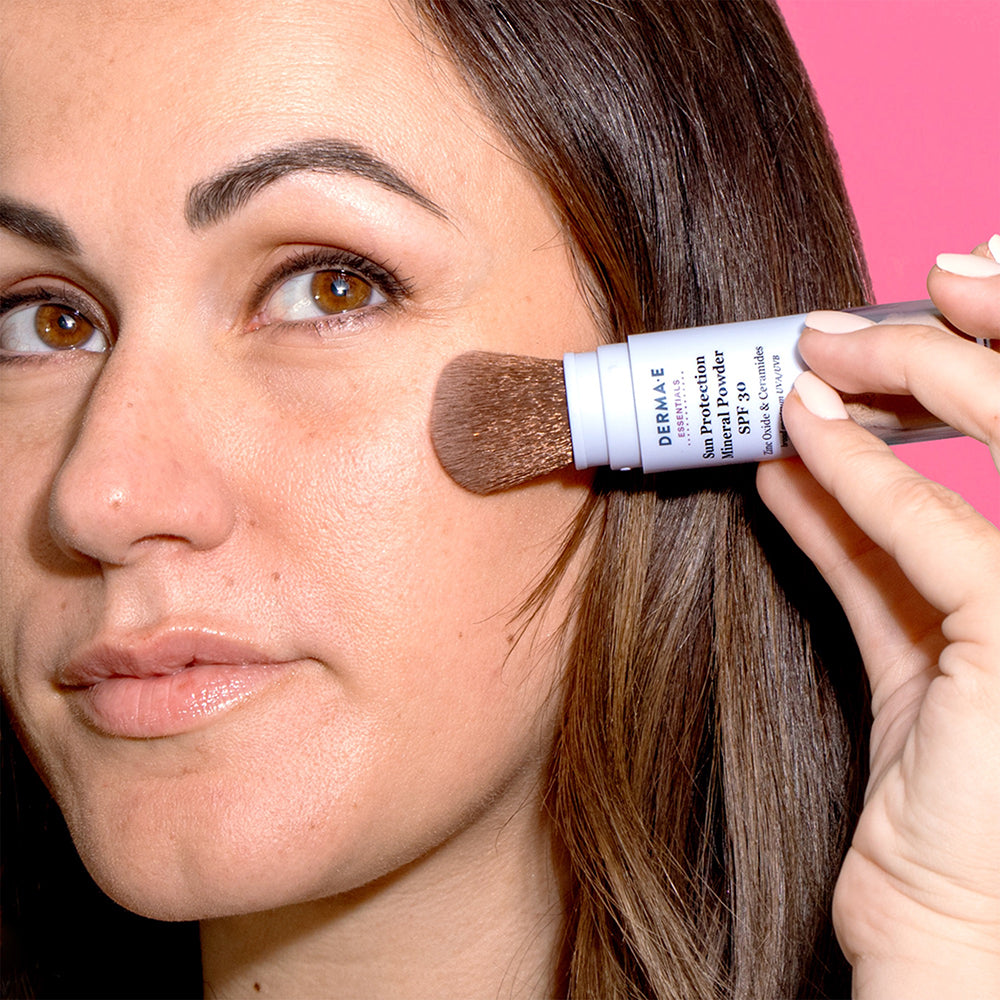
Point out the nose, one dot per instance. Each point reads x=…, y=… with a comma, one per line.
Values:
x=144, y=467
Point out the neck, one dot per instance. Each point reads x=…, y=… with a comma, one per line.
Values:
x=481, y=915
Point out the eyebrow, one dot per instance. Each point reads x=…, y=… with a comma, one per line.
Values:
x=212, y=200
x=38, y=226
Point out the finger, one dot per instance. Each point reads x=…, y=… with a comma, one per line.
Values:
x=956, y=379
x=966, y=288
x=947, y=551
x=892, y=623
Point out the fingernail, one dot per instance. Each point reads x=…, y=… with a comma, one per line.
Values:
x=993, y=245
x=829, y=321
x=970, y=265
x=818, y=398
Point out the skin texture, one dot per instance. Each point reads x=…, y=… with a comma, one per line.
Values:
x=917, y=906
x=367, y=822
x=222, y=472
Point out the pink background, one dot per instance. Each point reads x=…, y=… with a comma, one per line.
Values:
x=909, y=89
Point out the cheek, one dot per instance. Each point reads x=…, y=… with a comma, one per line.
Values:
x=373, y=527
x=39, y=415
x=387, y=544
x=406, y=585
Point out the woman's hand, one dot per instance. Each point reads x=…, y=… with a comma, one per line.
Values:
x=917, y=905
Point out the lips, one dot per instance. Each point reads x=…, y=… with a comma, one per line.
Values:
x=167, y=682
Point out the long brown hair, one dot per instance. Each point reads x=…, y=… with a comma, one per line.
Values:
x=708, y=764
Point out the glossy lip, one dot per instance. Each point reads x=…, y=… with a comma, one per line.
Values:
x=166, y=682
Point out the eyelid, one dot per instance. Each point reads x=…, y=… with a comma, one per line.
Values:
x=67, y=294
x=42, y=294
x=379, y=275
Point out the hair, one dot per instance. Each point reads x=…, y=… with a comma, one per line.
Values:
x=710, y=756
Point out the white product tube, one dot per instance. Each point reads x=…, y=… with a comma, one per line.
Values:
x=708, y=395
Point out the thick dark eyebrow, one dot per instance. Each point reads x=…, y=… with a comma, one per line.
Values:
x=226, y=192
x=38, y=226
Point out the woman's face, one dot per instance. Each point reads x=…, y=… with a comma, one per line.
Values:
x=260, y=646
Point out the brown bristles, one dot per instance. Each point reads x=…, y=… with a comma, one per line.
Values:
x=499, y=420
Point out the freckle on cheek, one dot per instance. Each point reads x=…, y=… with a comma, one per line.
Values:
x=276, y=576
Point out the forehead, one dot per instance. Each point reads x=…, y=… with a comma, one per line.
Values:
x=187, y=55
x=158, y=94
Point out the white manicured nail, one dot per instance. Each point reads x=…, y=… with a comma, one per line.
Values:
x=993, y=245
x=968, y=265
x=829, y=321
x=819, y=398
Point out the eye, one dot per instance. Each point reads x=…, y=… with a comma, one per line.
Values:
x=40, y=322
x=325, y=288
x=317, y=294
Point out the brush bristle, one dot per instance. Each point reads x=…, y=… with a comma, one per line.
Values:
x=499, y=420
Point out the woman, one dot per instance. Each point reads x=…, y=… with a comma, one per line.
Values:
x=384, y=738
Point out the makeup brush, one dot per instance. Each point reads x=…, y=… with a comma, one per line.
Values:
x=680, y=399
x=499, y=420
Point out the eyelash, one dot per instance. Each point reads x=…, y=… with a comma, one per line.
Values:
x=43, y=294
x=67, y=296
x=379, y=275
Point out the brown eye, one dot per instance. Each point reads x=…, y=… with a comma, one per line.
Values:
x=61, y=327
x=340, y=291
x=318, y=291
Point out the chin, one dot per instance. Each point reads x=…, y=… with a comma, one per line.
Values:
x=176, y=867
x=172, y=895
